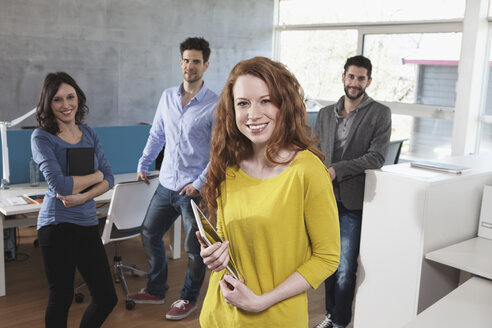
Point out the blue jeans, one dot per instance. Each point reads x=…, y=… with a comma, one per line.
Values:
x=165, y=207
x=340, y=287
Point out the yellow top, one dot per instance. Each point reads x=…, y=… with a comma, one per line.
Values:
x=275, y=227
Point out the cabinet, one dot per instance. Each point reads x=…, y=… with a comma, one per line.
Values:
x=407, y=213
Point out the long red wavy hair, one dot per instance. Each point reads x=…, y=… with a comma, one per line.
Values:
x=229, y=146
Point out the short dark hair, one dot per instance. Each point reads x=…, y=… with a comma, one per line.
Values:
x=359, y=61
x=199, y=44
x=44, y=114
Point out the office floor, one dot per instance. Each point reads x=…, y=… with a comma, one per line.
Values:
x=27, y=291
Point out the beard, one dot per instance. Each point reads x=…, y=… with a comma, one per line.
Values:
x=357, y=96
x=193, y=78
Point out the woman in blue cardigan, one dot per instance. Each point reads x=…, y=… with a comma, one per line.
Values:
x=67, y=224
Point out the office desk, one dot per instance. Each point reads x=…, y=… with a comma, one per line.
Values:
x=32, y=209
x=467, y=306
x=472, y=255
x=470, y=302
x=408, y=213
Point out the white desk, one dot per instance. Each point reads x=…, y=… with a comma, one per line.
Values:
x=469, y=305
x=19, y=189
x=473, y=255
x=408, y=213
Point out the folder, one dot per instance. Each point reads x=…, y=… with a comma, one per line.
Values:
x=209, y=234
x=80, y=161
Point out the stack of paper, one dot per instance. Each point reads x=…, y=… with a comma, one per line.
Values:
x=12, y=201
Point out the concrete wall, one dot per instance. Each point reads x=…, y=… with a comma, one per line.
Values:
x=122, y=53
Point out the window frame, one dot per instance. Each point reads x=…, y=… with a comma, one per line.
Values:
x=485, y=119
x=468, y=114
x=368, y=28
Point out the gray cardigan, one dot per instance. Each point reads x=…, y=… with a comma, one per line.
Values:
x=365, y=148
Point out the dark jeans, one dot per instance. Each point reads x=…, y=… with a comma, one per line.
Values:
x=340, y=287
x=164, y=209
x=68, y=246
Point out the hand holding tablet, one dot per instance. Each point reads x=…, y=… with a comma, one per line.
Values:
x=210, y=236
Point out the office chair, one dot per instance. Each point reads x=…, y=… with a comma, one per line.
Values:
x=125, y=217
x=393, y=154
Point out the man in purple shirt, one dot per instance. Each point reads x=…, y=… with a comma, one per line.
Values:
x=183, y=123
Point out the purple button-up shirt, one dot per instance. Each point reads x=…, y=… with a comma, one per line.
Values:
x=186, y=132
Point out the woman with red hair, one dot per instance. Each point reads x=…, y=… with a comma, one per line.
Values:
x=273, y=202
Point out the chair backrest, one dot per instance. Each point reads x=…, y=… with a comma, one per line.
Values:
x=127, y=209
x=393, y=153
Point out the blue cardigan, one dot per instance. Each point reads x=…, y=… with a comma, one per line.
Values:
x=49, y=152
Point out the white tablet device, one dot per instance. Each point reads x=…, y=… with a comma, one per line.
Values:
x=210, y=235
x=443, y=167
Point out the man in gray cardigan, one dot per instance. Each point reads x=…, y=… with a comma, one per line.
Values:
x=354, y=136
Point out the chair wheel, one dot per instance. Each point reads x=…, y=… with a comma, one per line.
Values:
x=129, y=304
x=79, y=297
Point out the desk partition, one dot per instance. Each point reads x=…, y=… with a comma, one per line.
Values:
x=122, y=145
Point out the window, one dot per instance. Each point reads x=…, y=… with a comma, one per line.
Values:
x=417, y=68
x=415, y=55
x=322, y=11
x=485, y=139
x=318, y=64
x=488, y=98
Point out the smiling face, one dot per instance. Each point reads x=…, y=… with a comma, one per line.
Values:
x=355, y=81
x=256, y=115
x=64, y=104
x=192, y=65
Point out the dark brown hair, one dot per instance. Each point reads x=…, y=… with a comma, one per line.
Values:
x=199, y=44
x=44, y=114
x=359, y=61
